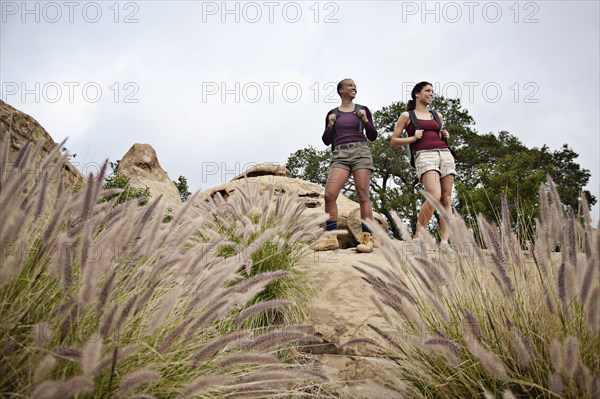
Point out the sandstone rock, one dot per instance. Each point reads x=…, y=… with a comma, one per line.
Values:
x=340, y=310
x=340, y=307
x=264, y=169
x=22, y=129
x=360, y=376
x=267, y=176
x=141, y=165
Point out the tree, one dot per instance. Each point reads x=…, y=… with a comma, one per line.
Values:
x=491, y=167
x=309, y=164
x=183, y=188
x=488, y=167
x=393, y=186
x=514, y=175
x=569, y=177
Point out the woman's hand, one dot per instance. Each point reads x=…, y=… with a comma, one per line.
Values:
x=444, y=134
x=332, y=119
x=362, y=114
x=418, y=134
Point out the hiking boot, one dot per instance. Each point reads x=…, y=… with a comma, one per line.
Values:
x=366, y=243
x=331, y=243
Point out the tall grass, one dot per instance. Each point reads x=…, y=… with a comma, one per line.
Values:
x=499, y=322
x=267, y=233
x=99, y=299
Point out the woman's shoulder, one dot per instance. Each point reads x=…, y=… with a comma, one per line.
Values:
x=404, y=119
x=403, y=114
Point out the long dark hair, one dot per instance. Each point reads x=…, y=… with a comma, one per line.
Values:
x=411, y=104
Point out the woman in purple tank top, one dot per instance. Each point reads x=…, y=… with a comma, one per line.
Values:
x=434, y=162
x=344, y=131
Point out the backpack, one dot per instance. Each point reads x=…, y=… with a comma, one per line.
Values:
x=415, y=122
x=336, y=112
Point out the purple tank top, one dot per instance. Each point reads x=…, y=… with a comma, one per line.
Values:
x=346, y=128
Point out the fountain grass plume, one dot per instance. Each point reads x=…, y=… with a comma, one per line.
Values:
x=508, y=322
x=267, y=227
x=92, y=290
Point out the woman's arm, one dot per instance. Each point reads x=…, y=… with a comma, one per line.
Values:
x=328, y=133
x=369, y=125
x=443, y=132
x=397, y=139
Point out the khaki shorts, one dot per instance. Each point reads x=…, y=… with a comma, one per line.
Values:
x=352, y=159
x=440, y=161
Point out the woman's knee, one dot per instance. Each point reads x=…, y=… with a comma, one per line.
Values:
x=363, y=195
x=445, y=201
x=435, y=194
x=331, y=196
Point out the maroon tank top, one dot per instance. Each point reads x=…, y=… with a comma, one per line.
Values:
x=431, y=135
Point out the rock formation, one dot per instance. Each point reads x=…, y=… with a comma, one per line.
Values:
x=268, y=176
x=22, y=129
x=141, y=165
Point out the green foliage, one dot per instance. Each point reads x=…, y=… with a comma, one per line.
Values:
x=491, y=168
x=293, y=287
x=274, y=233
x=386, y=118
x=128, y=193
x=183, y=188
x=309, y=164
x=514, y=174
x=119, y=181
x=568, y=175
x=169, y=216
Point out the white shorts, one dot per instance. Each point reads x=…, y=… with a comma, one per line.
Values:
x=441, y=161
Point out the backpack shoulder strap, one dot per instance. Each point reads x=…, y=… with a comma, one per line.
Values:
x=436, y=116
x=412, y=146
x=336, y=112
x=413, y=119
x=358, y=107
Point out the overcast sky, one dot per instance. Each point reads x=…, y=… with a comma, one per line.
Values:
x=217, y=87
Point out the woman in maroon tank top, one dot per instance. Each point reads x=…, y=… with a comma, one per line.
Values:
x=434, y=163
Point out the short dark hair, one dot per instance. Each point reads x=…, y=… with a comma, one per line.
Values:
x=339, y=86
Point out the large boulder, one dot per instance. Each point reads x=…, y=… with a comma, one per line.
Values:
x=264, y=169
x=141, y=165
x=21, y=129
x=271, y=176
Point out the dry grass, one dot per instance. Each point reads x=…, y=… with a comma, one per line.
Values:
x=500, y=321
x=267, y=233
x=99, y=299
